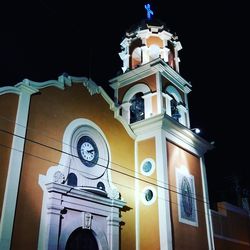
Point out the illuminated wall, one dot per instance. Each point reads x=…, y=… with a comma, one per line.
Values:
x=50, y=113
x=186, y=236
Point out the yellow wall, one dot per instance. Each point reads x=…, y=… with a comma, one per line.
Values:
x=149, y=223
x=8, y=104
x=186, y=236
x=150, y=81
x=50, y=114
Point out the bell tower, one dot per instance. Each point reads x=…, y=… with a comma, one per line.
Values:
x=151, y=100
x=150, y=83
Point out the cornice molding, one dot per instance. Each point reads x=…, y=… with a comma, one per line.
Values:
x=9, y=90
x=81, y=193
x=157, y=65
x=63, y=80
x=174, y=132
x=41, y=85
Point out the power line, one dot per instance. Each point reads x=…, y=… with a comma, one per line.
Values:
x=116, y=183
x=106, y=167
x=61, y=151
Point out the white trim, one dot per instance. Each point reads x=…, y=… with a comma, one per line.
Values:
x=174, y=131
x=73, y=131
x=174, y=92
x=140, y=87
x=75, y=224
x=148, y=104
x=183, y=112
x=208, y=217
x=168, y=99
x=137, y=200
x=159, y=93
x=150, y=68
x=187, y=109
x=14, y=168
x=164, y=210
x=151, y=171
x=77, y=202
x=232, y=240
x=42, y=232
x=179, y=174
x=41, y=85
x=9, y=90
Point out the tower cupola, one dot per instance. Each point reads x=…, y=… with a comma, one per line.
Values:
x=147, y=41
x=150, y=84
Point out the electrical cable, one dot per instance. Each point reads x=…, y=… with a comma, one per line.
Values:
x=61, y=151
x=116, y=183
x=117, y=171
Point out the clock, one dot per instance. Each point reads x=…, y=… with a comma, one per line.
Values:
x=187, y=200
x=87, y=151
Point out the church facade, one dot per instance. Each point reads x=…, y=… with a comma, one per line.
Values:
x=82, y=168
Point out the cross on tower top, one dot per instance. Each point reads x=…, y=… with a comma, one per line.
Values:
x=149, y=11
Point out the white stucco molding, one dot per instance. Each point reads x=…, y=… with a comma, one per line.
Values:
x=174, y=131
x=65, y=197
x=150, y=68
x=63, y=80
x=15, y=164
x=140, y=87
x=9, y=90
x=41, y=85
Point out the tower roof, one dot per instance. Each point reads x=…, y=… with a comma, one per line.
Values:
x=147, y=24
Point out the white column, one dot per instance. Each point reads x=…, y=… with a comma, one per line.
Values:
x=54, y=209
x=176, y=59
x=163, y=193
x=168, y=104
x=208, y=217
x=137, y=200
x=113, y=223
x=165, y=54
x=159, y=93
x=145, y=56
x=148, y=105
x=182, y=111
x=187, y=109
x=126, y=111
x=126, y=62
x=15, y=165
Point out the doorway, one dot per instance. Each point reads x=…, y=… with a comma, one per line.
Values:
x=82, y=239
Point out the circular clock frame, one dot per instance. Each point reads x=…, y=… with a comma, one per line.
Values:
x=87, y=151
x=88, y=163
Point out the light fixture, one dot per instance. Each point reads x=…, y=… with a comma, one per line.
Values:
x=196, y=130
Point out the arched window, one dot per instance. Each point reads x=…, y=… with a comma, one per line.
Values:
x=174, y=103
x=72, y=180
x=174, y=110
x=82, y=239
x=137, y=108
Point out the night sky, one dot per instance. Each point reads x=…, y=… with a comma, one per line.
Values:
x=42, y=39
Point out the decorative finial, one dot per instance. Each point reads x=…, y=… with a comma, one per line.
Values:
x=149, y=11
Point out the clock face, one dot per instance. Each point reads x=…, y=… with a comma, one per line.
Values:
x=87, y=151
x=187, y=200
